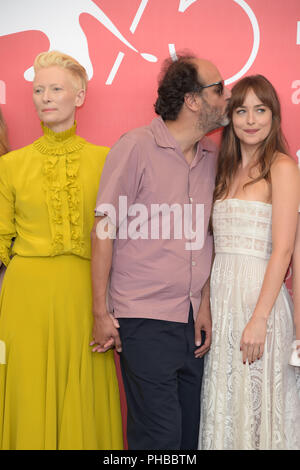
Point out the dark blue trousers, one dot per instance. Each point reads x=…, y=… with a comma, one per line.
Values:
x=162, y=381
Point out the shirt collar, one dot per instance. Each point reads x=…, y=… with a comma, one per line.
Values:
x=164, y=138
x=161, y=133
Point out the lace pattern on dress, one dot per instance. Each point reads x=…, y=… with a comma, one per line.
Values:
x=244, y=406
x=234, y=234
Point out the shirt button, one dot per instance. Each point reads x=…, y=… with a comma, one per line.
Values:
x=191, y=199
x=193, y=263
x=191, y=293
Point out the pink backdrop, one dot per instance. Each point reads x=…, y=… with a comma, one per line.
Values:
x=109, y=38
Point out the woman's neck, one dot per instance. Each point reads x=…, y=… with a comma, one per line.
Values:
x=249, y=155
x=60, y=126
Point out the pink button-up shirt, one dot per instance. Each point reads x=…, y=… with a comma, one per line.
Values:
x=153, y=273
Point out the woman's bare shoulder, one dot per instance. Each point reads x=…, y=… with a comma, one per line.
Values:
x=283, y=160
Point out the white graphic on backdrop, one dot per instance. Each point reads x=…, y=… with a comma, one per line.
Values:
x=298, y=33
x=121, y=55
x=60, y=22
x=2, y=92
x=184, y=4
x=296, y=95
x=62, y=27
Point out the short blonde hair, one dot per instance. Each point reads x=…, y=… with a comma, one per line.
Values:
x=52, y=58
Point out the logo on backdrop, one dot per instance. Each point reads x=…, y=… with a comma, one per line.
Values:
x=296, y=95
x=2, y=92
x=64, y=31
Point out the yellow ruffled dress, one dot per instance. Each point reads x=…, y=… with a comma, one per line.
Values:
x=54, y=392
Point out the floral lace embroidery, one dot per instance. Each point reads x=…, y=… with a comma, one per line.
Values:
x=244, y=406
x=234, y=234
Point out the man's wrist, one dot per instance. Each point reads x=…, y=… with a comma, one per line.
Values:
x=100, y=311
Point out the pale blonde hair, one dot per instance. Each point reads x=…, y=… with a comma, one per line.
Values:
x=56, y=58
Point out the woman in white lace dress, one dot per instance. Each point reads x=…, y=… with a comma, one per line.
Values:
x=250, y=398
x=296, y=284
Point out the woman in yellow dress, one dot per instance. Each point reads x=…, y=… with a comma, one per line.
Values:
x=55, y=393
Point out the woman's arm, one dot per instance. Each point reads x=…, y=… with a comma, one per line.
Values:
x=296, y=281
x=285, y=200
x=7, y=211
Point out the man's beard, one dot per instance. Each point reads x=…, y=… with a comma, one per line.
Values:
x=211, y=118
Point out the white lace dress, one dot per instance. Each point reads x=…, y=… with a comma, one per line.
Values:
x=253, y=406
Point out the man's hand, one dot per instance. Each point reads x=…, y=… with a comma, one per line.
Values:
x=105, y=333
x=203, y=323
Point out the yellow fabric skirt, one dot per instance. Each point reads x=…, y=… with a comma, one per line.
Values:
x=55, y=393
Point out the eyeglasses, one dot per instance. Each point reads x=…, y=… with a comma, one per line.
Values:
x=220, y=86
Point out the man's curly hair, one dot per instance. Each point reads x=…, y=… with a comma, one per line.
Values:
x=179, y=77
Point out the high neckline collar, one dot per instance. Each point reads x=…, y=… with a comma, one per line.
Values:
x=59, y=143
x=59, y=136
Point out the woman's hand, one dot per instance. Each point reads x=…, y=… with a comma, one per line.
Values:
x=253, y=339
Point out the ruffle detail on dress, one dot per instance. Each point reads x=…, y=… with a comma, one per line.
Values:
x=55, y=185
x=53, y=189
x=59, y=143
x=74, y=201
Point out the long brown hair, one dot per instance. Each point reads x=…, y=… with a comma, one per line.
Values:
x=230, y=152
x=4, y=147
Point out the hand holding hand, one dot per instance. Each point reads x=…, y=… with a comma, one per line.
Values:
x=105, y=333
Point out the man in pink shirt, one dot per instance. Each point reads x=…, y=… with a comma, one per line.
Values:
x=151, y=238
